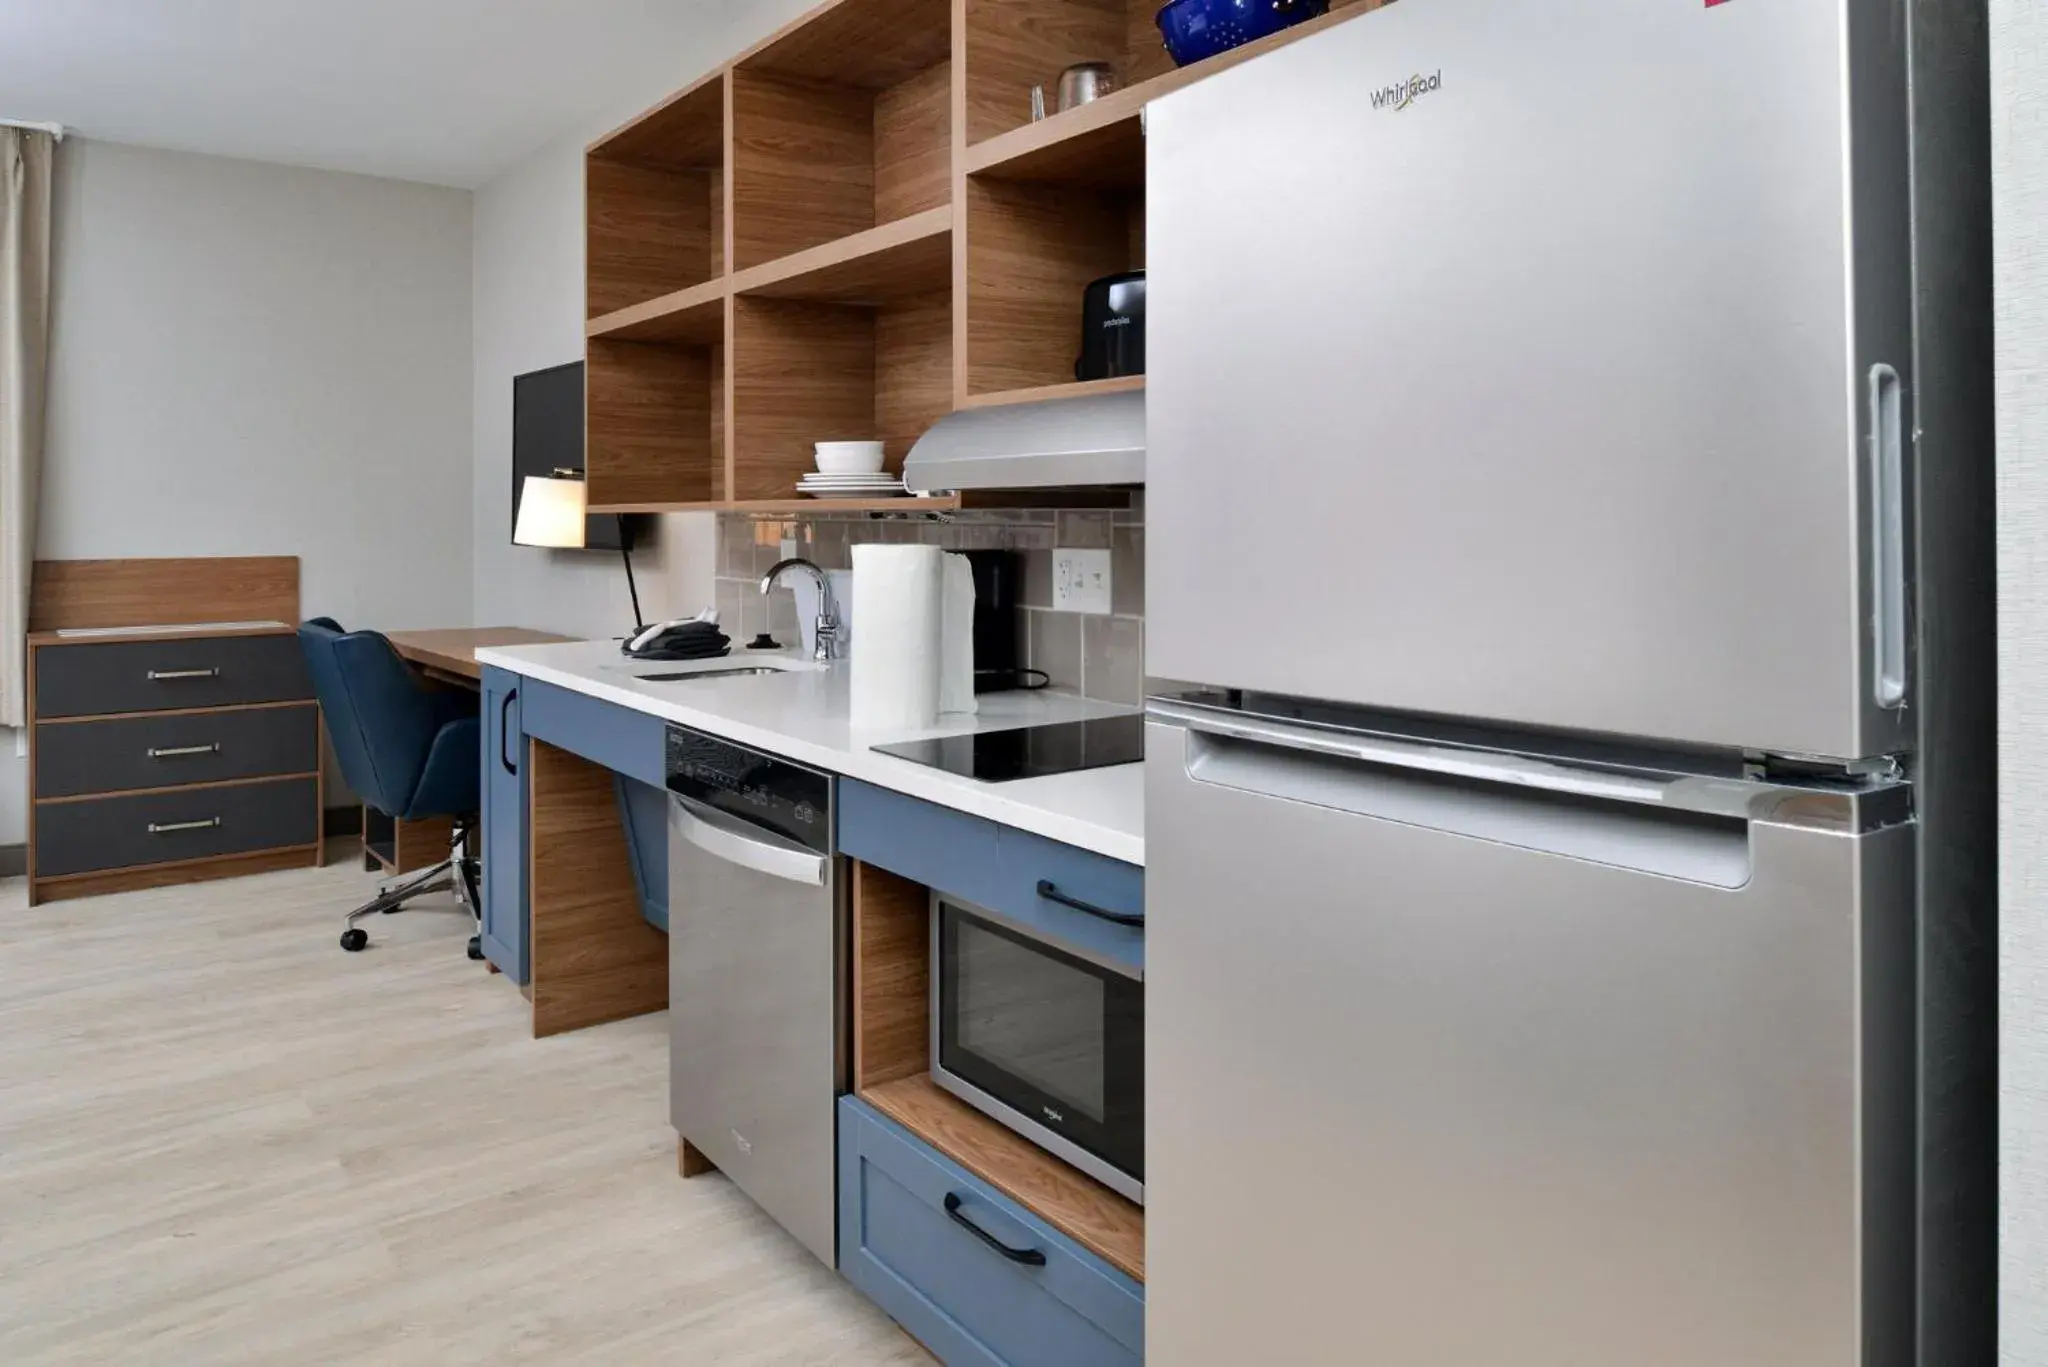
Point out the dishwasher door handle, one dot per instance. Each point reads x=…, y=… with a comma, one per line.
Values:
x=729, y=839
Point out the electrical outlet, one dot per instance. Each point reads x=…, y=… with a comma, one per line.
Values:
x=1080, y=581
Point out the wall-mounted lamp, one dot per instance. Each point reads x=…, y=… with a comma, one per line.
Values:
x=552, y=512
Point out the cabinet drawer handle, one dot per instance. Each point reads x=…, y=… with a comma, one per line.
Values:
x=167, y=827
x=168, y=751
x=159, y=675
x=1030, y=1257
x=505, y=729
x=1050, y=891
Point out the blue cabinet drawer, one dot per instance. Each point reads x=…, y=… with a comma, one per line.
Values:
x=961, y=1297
x=619, y=738
x=999, y=867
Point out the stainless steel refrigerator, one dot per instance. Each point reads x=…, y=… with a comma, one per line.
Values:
x=1568, y=835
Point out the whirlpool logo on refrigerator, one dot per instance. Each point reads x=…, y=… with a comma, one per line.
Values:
x=1400, y=96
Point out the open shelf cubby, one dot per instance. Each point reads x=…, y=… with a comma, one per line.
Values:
x=841, y=124
x=654, y=424
x=1032, y=250
x=811, y=370
x=892, y=1073
x=654, y=202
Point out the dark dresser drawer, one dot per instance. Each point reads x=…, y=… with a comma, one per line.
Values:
x=154, y=676
x=79, y=757
x=156, y=828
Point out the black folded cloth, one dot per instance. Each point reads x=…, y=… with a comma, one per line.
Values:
x=690, y=641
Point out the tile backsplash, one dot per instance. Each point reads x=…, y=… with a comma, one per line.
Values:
x=1097, y=656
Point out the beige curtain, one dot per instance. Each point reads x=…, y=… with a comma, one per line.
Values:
x=26, y=157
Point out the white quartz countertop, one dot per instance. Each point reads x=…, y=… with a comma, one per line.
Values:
x=803, y=714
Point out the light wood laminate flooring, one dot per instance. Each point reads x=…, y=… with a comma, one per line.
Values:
x=223, y=1140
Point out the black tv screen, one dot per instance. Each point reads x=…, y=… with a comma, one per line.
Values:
x=547, y=435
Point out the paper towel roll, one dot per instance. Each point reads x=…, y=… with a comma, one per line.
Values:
x=897, y=597
x=956, y=637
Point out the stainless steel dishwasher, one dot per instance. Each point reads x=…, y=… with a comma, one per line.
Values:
x=756, y=935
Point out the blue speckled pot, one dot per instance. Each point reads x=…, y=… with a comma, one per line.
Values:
x=1199, y=29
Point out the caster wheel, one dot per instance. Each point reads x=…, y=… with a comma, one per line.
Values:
x=354, y=939
x=476, y=948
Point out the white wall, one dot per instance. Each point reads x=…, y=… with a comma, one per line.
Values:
x=529, y=314
x=252, y=359
x=2020, y=132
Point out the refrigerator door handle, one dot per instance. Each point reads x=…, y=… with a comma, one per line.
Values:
x=1887, y=536
x=1513, y=770
x=1614, y=820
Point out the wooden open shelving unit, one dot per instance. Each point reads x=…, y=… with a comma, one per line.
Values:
x=891, y=1072
x=854, y=228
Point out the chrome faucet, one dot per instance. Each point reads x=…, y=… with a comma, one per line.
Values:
x=828, y=610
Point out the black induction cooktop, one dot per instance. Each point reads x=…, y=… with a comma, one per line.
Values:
x=1031, y=751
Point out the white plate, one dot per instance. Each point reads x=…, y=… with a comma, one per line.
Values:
x=898, y=491
x=870, y=484
x=874, y=477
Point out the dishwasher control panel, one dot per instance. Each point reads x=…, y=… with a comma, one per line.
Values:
x=787, y=798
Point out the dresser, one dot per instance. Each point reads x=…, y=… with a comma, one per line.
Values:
x=174, y=735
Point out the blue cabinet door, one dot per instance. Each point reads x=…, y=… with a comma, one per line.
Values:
x=504, y=818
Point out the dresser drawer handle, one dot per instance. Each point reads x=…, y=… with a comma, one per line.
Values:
x=168, y=751
x=1050, y=891
x=1030, y=1257
x=167, y=827
x=159, y=675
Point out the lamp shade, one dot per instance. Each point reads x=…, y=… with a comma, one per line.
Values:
x=551, y=512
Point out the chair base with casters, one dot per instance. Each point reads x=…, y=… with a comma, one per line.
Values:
x=460, y=871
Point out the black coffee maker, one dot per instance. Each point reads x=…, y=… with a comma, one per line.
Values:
x=998, y=584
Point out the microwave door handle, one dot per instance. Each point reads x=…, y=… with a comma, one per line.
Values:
x=724, y=838
x=1050, y=891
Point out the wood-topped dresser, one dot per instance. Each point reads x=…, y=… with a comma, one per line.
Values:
x=174, y=733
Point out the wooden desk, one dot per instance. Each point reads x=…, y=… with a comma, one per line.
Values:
x=449, y=654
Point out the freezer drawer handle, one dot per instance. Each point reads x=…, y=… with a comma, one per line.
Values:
x=725, y=838
x=1888, y=536
x=1050, y=891
x=161, y=675
x=170, y=827
x=171, y=751
x=1030, y=1257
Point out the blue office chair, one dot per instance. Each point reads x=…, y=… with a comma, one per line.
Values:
x=410, y=751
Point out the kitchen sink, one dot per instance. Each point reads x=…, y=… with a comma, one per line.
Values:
x=738, y=672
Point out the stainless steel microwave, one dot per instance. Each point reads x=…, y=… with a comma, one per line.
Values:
x=1044, y=1036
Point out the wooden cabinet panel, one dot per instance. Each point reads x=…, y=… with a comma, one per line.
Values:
x=803, y=165
x=648, y=233
x=914, y=145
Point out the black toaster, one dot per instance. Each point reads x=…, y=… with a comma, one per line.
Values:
x=1112, y=328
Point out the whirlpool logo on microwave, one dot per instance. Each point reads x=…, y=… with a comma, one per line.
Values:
x=1409, y=91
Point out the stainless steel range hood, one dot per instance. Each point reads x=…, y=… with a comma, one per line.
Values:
x=1057, y=444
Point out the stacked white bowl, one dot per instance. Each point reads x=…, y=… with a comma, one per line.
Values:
x=849, y=469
